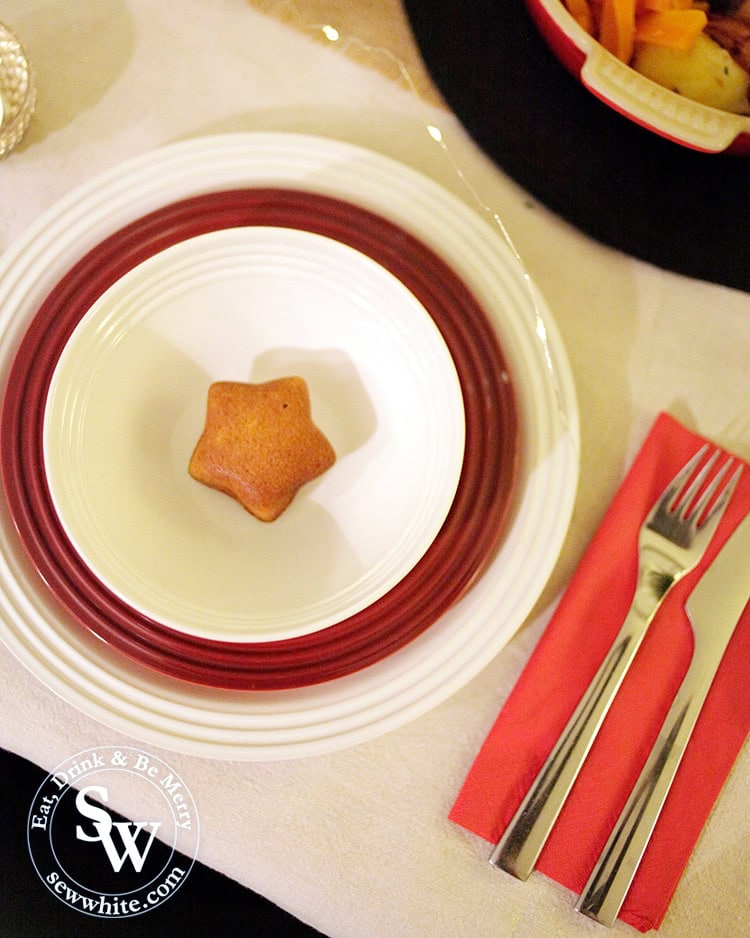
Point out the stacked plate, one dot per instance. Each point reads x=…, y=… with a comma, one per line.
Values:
x=159, y=606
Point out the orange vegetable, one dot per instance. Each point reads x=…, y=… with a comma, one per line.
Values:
x=619, y=24
x=617, y=27
x=659, y=6
x=677, y=29
x=580, y=10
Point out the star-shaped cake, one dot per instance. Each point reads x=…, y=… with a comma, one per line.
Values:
x=259, y=444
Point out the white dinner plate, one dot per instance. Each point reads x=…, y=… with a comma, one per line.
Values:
x=127, y=405
x=341, y=712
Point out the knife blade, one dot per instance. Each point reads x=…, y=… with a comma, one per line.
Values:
x=714, y=608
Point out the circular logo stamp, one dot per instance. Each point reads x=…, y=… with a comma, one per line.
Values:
x=97, y=861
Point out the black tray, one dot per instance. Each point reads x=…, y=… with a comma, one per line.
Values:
x=682, y=210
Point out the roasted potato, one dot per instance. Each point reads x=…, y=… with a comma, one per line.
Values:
x=706, y=73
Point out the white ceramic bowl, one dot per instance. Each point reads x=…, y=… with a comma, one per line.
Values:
x=638, y=98
x=127, y=405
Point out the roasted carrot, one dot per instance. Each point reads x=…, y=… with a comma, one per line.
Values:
x=617, y=27
x=580, y=10
x=676, y=29
x=659, y=6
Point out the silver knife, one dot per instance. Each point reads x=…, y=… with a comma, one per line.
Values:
x=714, y=608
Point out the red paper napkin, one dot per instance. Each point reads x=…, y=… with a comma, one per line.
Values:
x=558, y=672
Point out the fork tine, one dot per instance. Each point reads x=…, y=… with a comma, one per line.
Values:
x=682, y=508
x=695, y=512
x=675, y=486
x=715, y=513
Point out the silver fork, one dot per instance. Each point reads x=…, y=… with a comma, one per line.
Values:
x=672, y=540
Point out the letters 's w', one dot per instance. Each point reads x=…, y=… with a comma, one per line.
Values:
x=128, y=831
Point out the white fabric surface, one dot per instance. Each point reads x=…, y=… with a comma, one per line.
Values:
x=356, y=842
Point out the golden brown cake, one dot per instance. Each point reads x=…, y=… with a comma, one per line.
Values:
x=259, y=444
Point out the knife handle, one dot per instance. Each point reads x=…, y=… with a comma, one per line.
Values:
x=605, y=891
x=518, y=849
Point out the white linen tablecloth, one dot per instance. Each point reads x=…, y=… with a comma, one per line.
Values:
x=357, y=842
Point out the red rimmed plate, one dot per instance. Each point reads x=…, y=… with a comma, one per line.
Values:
x=457, y=555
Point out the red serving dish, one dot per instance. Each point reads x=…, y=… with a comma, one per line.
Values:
x=633, y=95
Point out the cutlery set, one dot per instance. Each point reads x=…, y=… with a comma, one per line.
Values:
x=672, y=541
